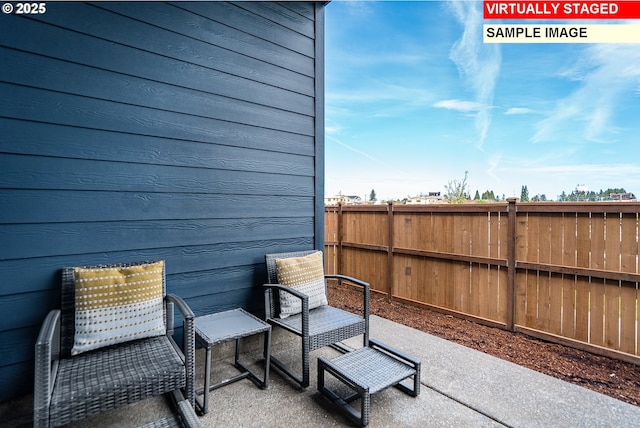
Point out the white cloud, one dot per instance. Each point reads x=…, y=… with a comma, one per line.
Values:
x=378, y=99
x=458, y=105
x=478, y=63
x=605, y=72
x=518, y=110
x=374, y=92
x=332, y=129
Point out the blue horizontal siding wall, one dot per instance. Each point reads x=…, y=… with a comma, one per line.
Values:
x=189, y=132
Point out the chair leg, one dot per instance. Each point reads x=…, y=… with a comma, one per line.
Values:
x=301, y=379
x=305, y=362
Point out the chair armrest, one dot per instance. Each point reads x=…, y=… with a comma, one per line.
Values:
x=184, y=309
x=366, y=291
x=47, y=352
x=290, y=290
x=188, y=343
x=303, y=297
x=348, y=278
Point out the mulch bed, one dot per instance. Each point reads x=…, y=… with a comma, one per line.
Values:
x=617, y=379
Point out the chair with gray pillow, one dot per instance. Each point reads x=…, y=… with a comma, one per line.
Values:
x=317, y=327
x=75, y=380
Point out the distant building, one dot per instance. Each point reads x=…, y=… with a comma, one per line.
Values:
x=345, y=199
x=622, y=196
x=431, y=198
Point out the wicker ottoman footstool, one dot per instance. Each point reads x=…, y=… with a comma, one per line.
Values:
x=367, y=371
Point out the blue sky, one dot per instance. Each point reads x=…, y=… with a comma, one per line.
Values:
x=414, y=99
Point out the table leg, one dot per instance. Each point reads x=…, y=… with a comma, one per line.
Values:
x=267, y=356
x=207, y=380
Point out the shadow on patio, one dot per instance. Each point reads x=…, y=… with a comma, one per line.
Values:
x=460, y=387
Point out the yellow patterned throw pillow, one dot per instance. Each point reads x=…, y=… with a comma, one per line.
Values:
x=114, y=305
x=305, y=274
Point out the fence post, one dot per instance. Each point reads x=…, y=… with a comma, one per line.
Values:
x=390, y=251
x=339, y=236
x=511, y=264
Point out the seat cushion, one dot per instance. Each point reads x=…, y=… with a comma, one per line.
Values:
x=305, y=274
x=117, y=304
x=100, y=380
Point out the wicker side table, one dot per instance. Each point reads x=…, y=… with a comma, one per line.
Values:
x=222, y=327
x=367, y=371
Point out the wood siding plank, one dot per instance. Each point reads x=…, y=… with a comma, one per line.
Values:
x=253, y=149
x=28, y=172
x=53, y=206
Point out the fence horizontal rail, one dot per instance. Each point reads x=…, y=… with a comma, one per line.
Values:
x=566, y=270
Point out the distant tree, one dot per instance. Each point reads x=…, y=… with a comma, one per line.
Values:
x=488, y=196
x=372, y=196
x=477, y=196
x=457, y=191
x=562, y=197
x=524, y=194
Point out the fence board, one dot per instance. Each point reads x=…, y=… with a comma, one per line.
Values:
x=597, y=251
x=366, y=265
x=582, y=309
x=481, y=224
x=426, y=223
x=531, y=284
x=629, y=244
x=569, y=239
x=496, y=237
x=628, y=313
x=612, y=314
x=365, y=228
x=522, y=237
x=556, y=283
x=612, y=244
x=477, y=276
x=568, y=306
x=583, y=236
x=597, y=302
x=405, y=235
x=431, y=295
x=406, y=277
x=461, y=280
x=493, y=306
x=520, y=306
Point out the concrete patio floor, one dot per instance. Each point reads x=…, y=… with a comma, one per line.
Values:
x=461, y=387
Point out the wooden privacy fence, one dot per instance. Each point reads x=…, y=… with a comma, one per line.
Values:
x=564, y=272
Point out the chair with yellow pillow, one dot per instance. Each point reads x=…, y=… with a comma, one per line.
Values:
x=296, y=300
x=112, y=344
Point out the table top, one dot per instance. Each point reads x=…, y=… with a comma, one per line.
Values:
x=228, y=325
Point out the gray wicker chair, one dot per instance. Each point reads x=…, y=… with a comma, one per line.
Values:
x=318, y=327
x=69, y=388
